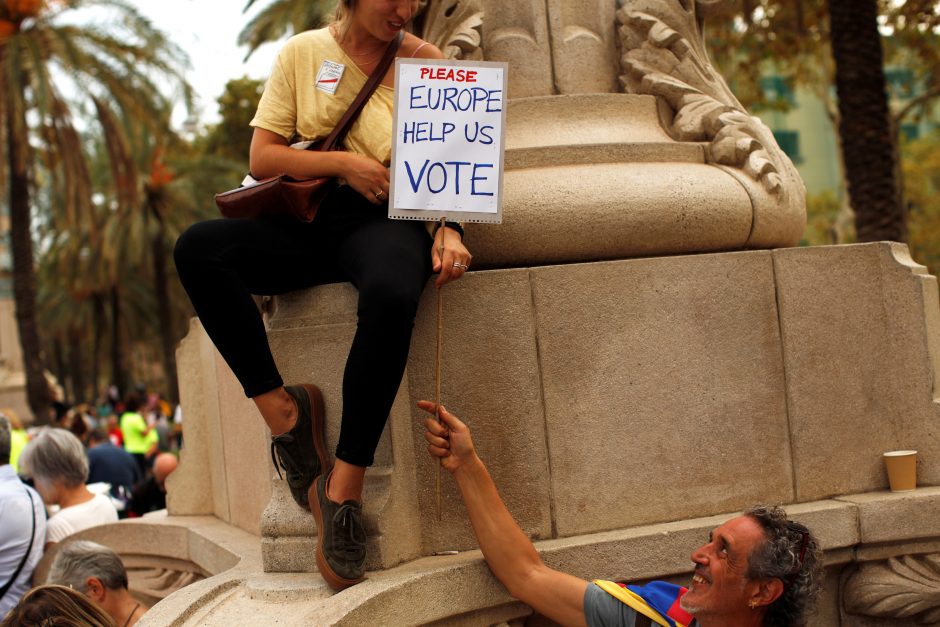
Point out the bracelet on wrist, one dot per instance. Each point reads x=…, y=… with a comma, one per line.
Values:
x=453, y=225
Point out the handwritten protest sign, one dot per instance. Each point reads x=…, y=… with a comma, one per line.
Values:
x=447, y=155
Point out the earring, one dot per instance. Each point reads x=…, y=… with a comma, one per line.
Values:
x=752, y=604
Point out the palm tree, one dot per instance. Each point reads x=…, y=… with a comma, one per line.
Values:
x=51, y=68
x=144, y=237
x=283, y=17
x=868, y=138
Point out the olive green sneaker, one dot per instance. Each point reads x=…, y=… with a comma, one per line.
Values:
x=341, y=541
x=302, y=452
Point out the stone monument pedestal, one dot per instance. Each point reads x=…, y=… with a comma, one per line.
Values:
x=624, y=408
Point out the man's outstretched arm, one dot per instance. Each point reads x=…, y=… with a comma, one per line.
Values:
x=508, y=551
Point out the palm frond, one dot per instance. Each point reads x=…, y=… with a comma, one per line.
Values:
x=67, y=158
x=123, y=170
x=283, y=18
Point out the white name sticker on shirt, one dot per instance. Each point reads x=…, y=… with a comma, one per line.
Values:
x=329, y=76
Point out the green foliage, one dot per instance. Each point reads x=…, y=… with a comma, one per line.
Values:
x=825, y=223
x=231, y=136
x=218, y=160
x=790, y=38
x=914, y=43
x=829, y=221
x=922, y=188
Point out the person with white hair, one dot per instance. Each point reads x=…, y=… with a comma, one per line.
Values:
x=58, y=464
x=97, y=572
x=22, y=528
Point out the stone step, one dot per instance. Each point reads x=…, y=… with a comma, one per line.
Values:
x=859, y=534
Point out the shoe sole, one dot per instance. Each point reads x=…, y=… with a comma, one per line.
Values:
x=332, y=579
x=318, y=424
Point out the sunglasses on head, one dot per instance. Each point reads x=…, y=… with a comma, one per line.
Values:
x=795, y=527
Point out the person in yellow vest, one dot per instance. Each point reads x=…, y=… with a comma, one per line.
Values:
x=757, y=569
x=137, y=439
x=18, y=437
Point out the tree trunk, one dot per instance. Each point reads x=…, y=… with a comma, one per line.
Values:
x=76, y=368
x=799, y=17
x=21, y=244
x=865, y=126
x=164, y=315
x=118, y=367
x=747, y=10
x=99, y=323
x=61, y=370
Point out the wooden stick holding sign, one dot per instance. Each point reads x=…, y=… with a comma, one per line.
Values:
x=447, y=156
x=437, y=362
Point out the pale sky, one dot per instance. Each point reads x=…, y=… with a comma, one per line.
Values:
x=207, y=30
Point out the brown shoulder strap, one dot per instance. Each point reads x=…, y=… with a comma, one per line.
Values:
x=336, y=138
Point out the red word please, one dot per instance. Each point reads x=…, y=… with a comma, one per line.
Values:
x=449, y=74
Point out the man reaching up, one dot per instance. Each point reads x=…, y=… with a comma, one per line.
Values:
x=757, y=569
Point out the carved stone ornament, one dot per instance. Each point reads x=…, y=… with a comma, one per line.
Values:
x=906, y=587
x=454, y=27
x=663, y=54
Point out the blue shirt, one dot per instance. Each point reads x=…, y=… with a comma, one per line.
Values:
x=16, y=524
x=114, y=465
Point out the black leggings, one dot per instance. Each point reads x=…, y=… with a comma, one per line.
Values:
x=221, y=263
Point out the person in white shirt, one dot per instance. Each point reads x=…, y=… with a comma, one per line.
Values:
x=22, y=528
x=58, y=464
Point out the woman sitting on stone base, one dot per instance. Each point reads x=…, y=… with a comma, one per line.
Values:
x=223, y=262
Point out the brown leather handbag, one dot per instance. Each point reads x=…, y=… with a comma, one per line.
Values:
x=285, y=195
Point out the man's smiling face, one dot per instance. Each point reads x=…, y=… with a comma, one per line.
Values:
x=720, y=586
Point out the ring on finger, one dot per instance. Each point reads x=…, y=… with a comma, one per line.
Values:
x=462, y=266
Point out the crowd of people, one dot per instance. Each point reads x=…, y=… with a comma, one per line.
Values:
x=131, y=443
x=92, y=466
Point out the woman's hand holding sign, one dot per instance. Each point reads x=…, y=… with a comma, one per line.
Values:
x=455, y=259
x=367, y=176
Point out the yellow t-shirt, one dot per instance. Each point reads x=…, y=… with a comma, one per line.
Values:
x=294, y=107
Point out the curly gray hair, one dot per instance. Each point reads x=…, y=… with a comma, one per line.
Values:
x=790, y=553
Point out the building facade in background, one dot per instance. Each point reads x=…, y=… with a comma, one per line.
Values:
x=12, y=376
x=805, y=130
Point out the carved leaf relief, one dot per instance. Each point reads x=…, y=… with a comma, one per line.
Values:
x=454, y=26
x=738, y=143
x=664, y=56
x=905, y=587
